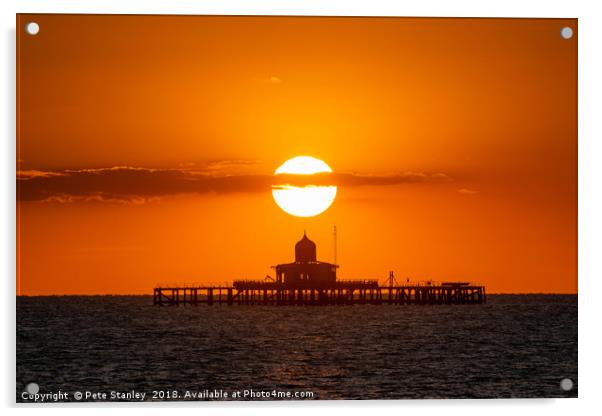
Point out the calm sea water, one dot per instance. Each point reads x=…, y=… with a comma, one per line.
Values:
x=514, y=346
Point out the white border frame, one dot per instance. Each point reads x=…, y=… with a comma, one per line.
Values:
x=590, y=179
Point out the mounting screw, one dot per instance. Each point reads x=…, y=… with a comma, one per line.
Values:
x=32, y=28
x=566, y=32
x=566, y=384
x=32, y=388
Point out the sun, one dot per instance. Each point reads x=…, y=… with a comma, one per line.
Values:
x=308, y=200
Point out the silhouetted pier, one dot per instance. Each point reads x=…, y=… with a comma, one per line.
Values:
x=345, y=293
x=307, y=281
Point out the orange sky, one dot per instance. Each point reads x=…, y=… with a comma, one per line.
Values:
x=455, y=141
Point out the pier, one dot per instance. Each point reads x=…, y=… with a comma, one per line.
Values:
x=307, y=281
x=269, y=293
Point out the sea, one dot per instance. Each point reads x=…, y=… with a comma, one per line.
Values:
x=122, y=348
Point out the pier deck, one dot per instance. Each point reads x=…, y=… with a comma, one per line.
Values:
x=347, y=293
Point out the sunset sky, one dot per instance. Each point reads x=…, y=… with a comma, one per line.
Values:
x=147, y=145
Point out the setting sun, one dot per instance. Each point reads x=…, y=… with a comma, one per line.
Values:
x=303, y=201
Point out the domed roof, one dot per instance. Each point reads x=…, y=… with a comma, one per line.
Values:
x=305, y=242
x=305, y=250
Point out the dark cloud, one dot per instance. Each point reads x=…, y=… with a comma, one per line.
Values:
x=140, y=185
x=356, y=179
x=129, y=183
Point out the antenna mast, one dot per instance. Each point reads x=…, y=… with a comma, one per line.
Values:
x=335, y=244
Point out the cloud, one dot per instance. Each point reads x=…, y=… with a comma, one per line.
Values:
x=122, y=183
x=355, y=179
x=101, y=197
x=229, y=166
x=465, y=191
x=134, y=185
x=272, y=79
x=29, y=174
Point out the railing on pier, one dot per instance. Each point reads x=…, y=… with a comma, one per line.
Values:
x=270, y=293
